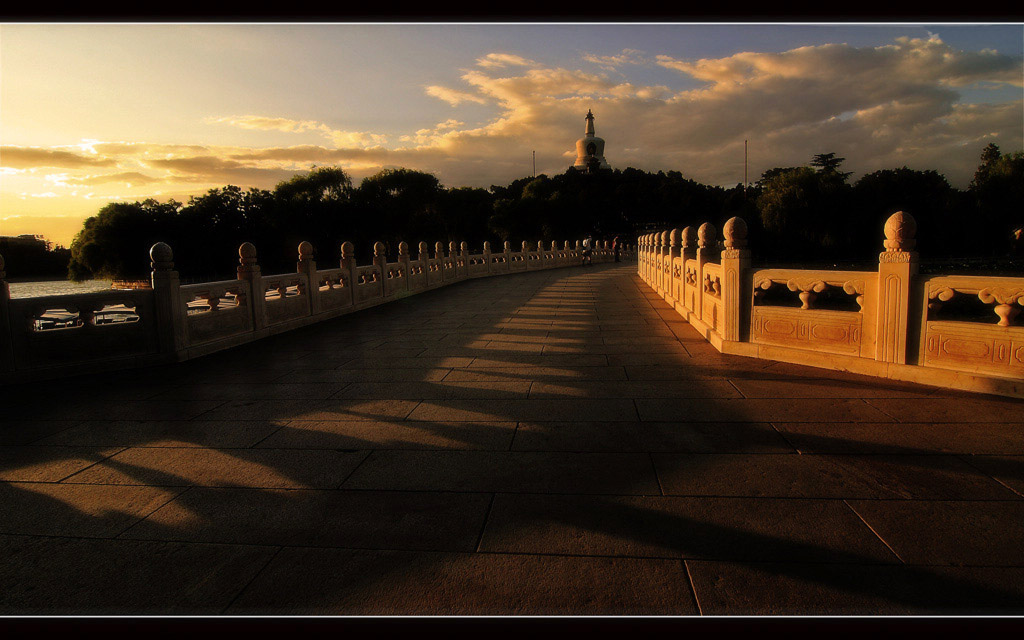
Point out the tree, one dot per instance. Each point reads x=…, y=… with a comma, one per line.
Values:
x=323, y=184
x=829, y=163
x=989, y=157
x=998, y=197
x=802, y=210
x=115, y=242
x=926, y=195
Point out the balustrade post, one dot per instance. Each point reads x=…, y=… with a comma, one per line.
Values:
x=737, y=287
x=454, y=257
x=6, y=339
x=640, y=258
x=705, y=246
x=659, y=261
x=380, y=260
x=688, y=251
x=440, y=260
x=348, y=263
x=674, y=281
x=487, y=257
x=897, y=267
x=506, y=247
x=171, y=315
x=652, y=248
x=307, y=266
x=526, y=254
x=403, y=260
x=464, y=258
x=424, y=260
x=642, y=262
x=249, y=270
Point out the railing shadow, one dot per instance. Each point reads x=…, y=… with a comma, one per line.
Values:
x=282, y=470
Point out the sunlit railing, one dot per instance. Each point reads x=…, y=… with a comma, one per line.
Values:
x=80, y=333
x=955, y=331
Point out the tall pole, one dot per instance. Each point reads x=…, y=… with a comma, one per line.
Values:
x=744, y=168
x=534, y=164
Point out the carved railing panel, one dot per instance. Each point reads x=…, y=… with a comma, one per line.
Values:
x=216, y=310
x=335, y=289
x=66, y=329
x=973, y=324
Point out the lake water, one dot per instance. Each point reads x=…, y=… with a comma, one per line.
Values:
x=55, y=287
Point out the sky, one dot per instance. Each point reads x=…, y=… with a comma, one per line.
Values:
x=92, y=113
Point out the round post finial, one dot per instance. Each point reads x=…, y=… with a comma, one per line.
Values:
x=706, y=235
x=508, y=246
x=348, y=250
x=689, y=237
x=247, y=253
x=438, y=250
x=424, y=250
x=305, y=250
x=403, y=249
x=379, y=250
x=161, y=257
x=900, y=229
x=735, y=233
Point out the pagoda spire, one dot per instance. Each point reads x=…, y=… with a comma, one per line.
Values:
x=590, y=123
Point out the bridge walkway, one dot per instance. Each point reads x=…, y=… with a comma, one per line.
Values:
x=569, y=446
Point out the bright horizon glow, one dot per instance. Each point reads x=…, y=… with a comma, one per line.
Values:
x=101, y=112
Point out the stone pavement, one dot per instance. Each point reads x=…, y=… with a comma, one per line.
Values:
x=569, y=446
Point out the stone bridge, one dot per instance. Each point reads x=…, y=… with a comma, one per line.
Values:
x=563, y=444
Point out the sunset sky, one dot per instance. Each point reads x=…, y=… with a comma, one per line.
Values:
x=93, y=113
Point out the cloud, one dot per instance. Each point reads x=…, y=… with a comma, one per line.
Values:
x=39, y=157
x=627, y=57
x=453, y=96
x=880, y=107
x=501, y=60
x=340, y=138
x=127, y=178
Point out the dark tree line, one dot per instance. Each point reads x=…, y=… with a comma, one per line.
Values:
x=795, y=214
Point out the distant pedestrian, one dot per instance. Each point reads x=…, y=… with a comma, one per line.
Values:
x=588, y=243
x=616, y=247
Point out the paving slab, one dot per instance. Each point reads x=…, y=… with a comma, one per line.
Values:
x=344, y=582
x=802, y=589
x=82, y=511
x=346, y=519
x=393, y=434
x=283, y=411
x=192, y=466
x=688, y=437
x=1008, y=470
x=530, y=409
x=709, y=528
x=825, y=476
x=164, y=433
x=904, y=437
x=635, y=389
x=72, y=576
x=15, y=432
x=949, y=532
x=758, y=410
x=442, y=390
x=508, y=471
x=48, y=464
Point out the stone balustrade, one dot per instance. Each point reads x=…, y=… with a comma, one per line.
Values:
x=54, y=336
x=960, y=332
